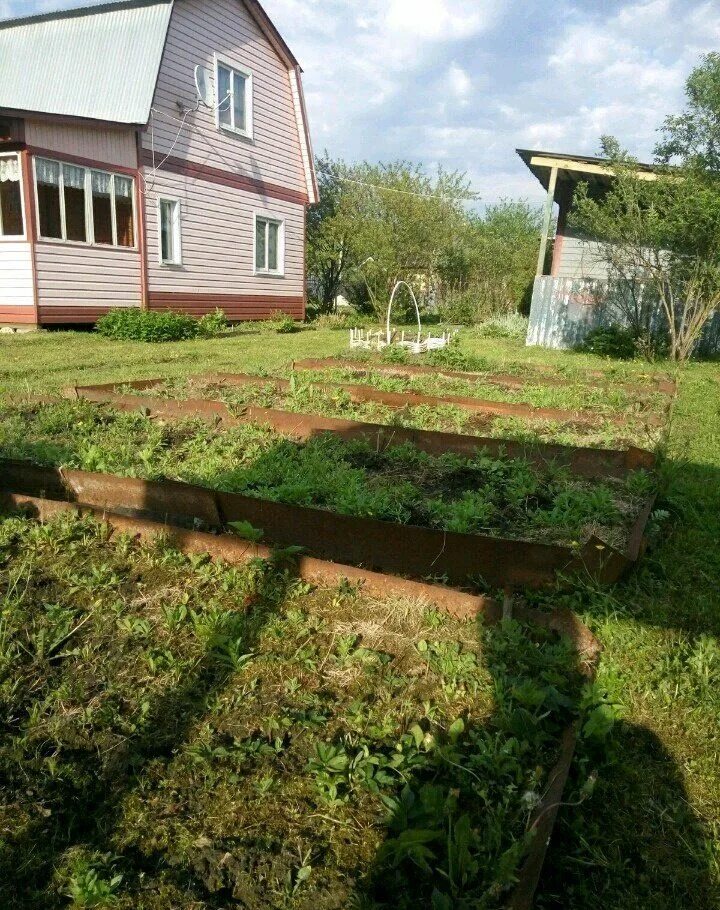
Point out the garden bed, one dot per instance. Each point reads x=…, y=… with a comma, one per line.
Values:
x=308, y=398
x=474, y=494
x=499, y=520
x=519, y=380
x=400, y=398
x=185, y=730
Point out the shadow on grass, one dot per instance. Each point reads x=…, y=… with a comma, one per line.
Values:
x=640, y=844
x=87, y=804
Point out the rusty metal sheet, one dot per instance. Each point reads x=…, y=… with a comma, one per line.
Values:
x=370, y=543
x=542, y=824
x=363, y=393
x=508, y=380
x=235, y=550
x=583, y=461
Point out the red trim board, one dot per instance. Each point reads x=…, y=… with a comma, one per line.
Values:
x=225, y=178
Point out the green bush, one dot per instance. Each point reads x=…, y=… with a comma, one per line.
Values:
x=610, y=341
x=131, y=324
x=460, y=307
x=511, y=325
x=283, y=323
x=213, y=324
x=342, y=321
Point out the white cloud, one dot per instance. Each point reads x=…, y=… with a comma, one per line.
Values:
x=458, y=82
x=439, y=20
x=463, y=82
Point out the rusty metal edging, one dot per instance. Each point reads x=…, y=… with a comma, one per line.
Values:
x=456, y=603
x=508, y=380
x=583, y=461
x=379, y=545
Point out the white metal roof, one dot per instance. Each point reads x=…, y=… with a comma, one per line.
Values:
x=98, y=62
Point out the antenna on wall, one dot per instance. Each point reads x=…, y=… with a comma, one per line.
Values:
x=203, y=86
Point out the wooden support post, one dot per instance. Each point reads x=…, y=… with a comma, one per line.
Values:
x=547, y=217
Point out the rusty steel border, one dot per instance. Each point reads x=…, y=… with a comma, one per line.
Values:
x=360, y=394
x=456, y=603
x=507, y=380
x=406, y=550
x=584, y=461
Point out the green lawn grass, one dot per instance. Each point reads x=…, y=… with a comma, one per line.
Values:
x=649, y=837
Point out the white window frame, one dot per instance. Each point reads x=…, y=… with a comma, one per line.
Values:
x=89, y=222
x=177, y=231
x=13, y=238
x=280, y=221
x=247, y=133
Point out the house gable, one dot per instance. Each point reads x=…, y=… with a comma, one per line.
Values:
x=278, y=154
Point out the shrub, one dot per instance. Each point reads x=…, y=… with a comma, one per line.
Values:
x=460, y=307
x=610, y=341
x=511, y=325
x=283, y=323
x=453, y=358
x=213, y=324
x=143, y=325
x=341, y=321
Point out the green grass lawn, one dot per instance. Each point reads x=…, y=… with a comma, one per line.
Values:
x=649, y=837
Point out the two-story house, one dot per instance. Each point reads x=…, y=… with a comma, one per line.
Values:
x=153, y=153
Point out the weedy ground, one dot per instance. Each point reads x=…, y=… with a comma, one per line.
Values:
x=183, y=733
x=479, y=494
x=650, y=835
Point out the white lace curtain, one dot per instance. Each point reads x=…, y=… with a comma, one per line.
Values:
x=9, y=170
x=74, y=176
x=48, y=172
x=101, y=183
x=123, y=187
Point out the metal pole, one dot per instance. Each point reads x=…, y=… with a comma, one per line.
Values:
x=550, y=199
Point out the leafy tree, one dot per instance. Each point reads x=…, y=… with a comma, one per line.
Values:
x=489, y=268
x=330, y=248
x=377, y=224
x=661, y=237
x=693, y=136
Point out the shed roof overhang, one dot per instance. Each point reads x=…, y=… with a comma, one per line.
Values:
x=574, y=169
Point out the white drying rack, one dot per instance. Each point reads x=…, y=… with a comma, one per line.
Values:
x=376, y=341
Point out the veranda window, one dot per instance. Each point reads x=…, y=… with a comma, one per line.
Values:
x=11, y=210
x=82, y=205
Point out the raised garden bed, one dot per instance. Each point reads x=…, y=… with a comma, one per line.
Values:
x=287, y=746
x=354, y=480
x=599, y=380
x=362, y=394
x=306, y=409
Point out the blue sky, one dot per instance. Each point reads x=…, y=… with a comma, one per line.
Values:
x=463, y=82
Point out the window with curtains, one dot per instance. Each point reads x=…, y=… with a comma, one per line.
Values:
x=269, y=246
x=234, y=98
x=84, y=205
x=11, y=207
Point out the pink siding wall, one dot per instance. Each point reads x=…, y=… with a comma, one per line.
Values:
x=110, y=146
x=198, y=30
x=217, y=245
x=78, y=283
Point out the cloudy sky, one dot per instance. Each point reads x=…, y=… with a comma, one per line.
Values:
x=464, y=82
